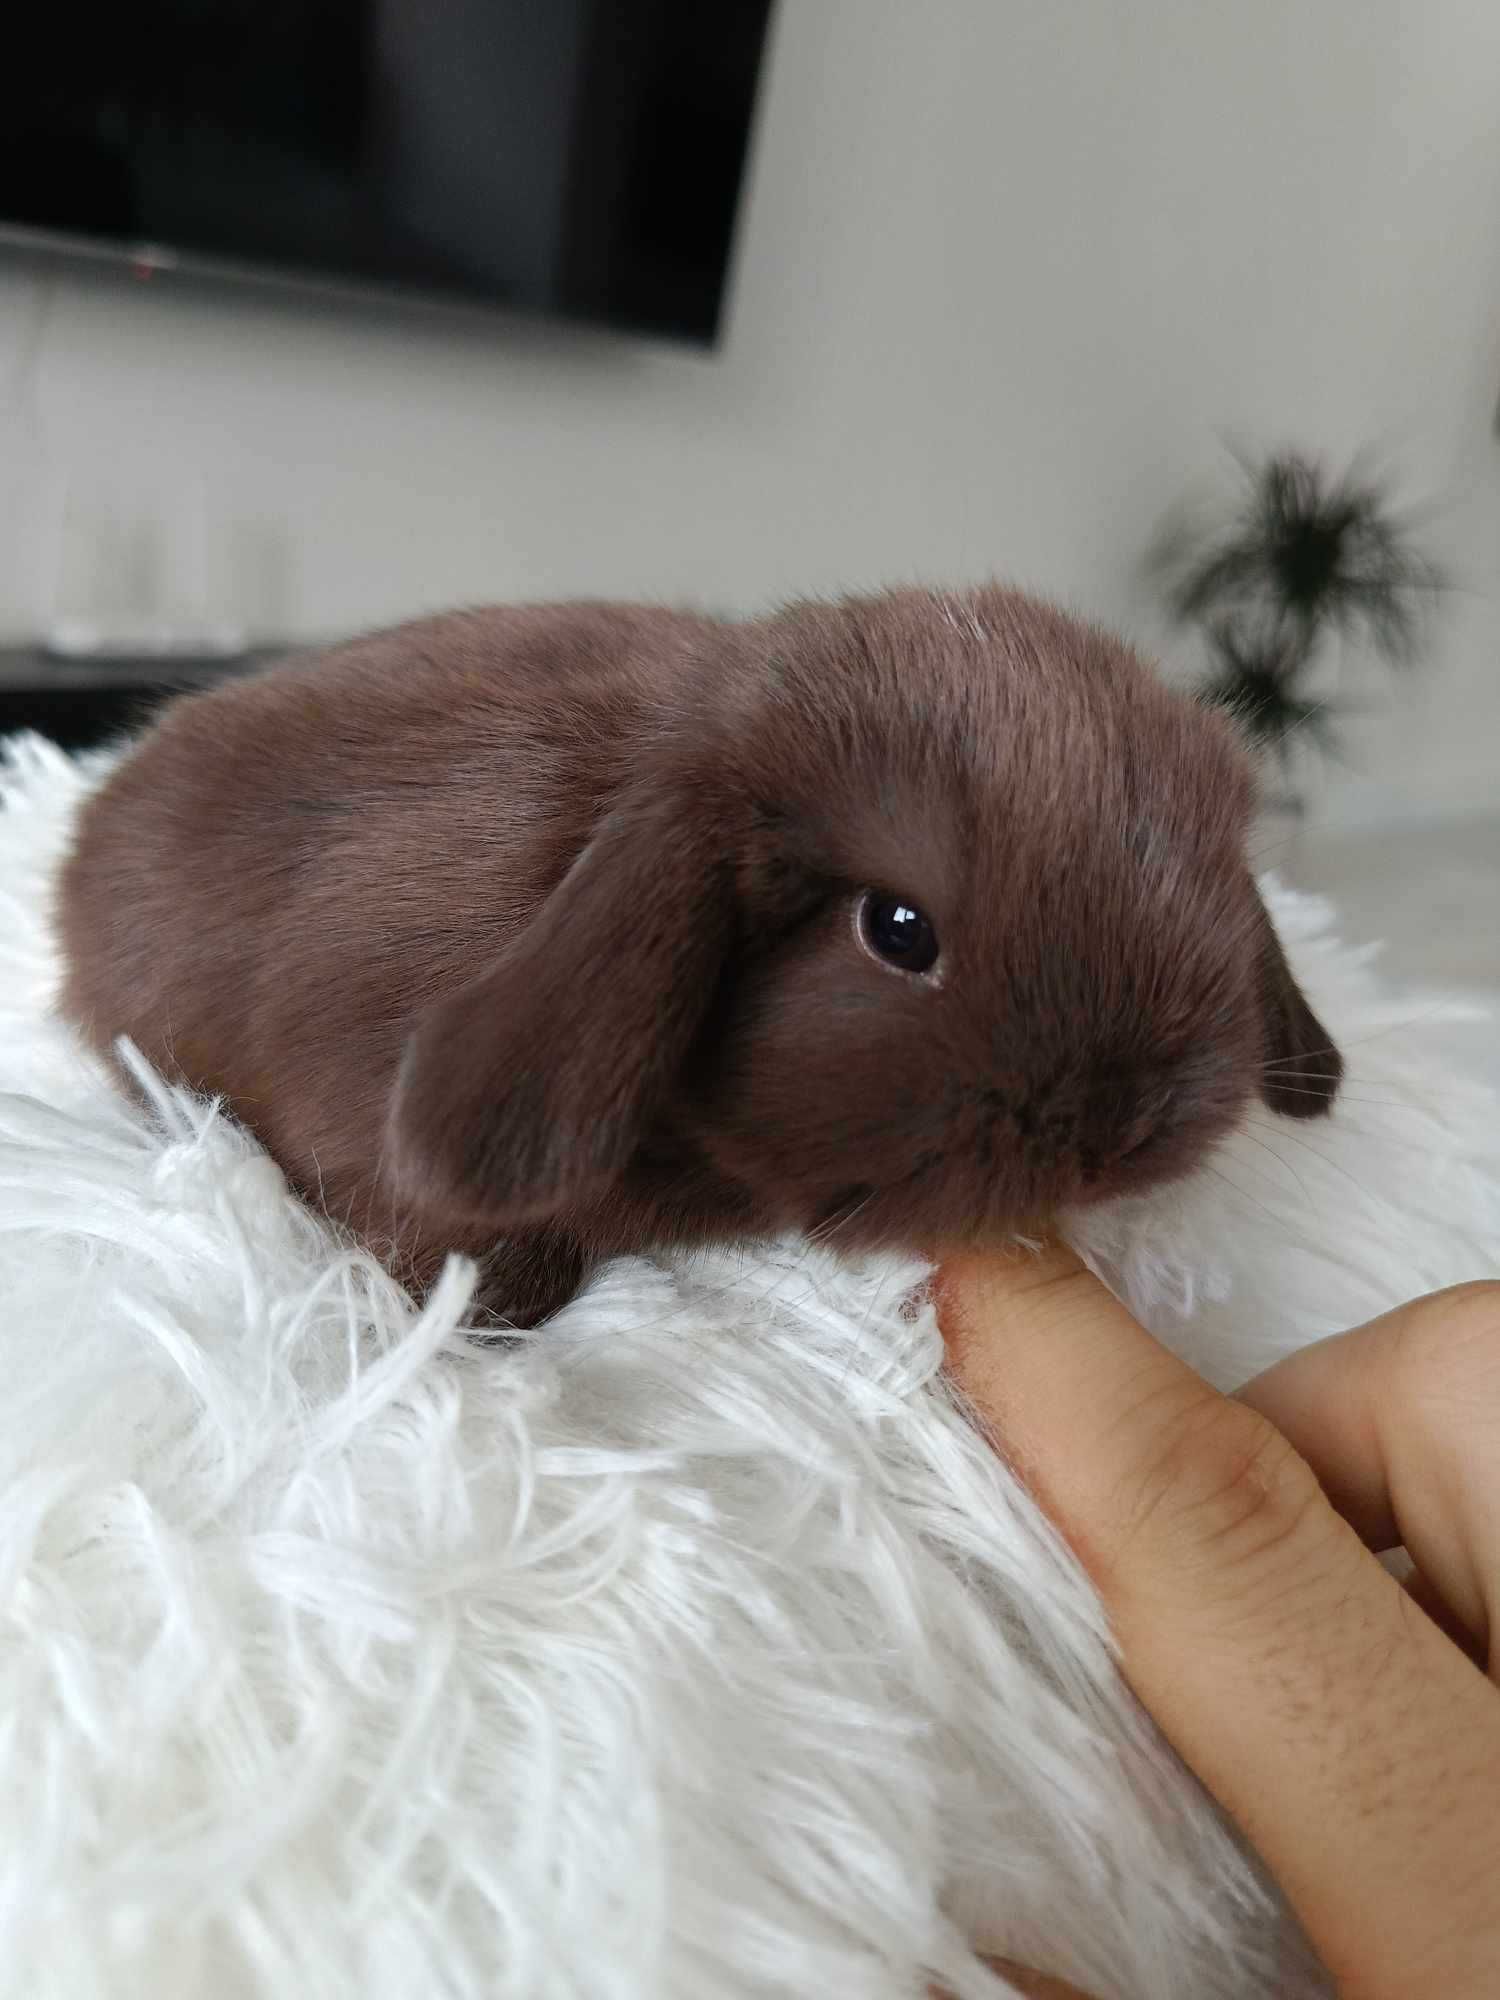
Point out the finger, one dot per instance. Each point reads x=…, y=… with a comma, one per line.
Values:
x=1400, y=1419
x=1358, y=1750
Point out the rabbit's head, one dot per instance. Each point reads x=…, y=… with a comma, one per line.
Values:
x=921, y=915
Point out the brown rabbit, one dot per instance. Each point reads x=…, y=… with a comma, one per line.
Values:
x=551, y=933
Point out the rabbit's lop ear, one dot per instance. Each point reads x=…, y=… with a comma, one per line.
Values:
x=531, y=1085
x=1303, y=1069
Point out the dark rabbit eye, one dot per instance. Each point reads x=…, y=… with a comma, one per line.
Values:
x=897, y=931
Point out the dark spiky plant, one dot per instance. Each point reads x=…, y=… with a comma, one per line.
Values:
x=1306, y=555
x=1257, y=681
x=1310, y=551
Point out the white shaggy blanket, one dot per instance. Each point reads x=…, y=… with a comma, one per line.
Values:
x=696, y=1649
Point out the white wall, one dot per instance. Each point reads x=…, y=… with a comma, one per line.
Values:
x=1010, y=271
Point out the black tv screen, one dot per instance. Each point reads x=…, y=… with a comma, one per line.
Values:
x=576, y=157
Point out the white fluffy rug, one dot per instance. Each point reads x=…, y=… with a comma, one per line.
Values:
x=696, y=1649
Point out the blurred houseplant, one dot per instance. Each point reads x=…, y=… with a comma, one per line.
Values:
x=1307, y=558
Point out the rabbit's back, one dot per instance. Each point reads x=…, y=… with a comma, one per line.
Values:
x=280, y=874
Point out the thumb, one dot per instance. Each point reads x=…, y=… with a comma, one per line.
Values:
x=1117, y=1438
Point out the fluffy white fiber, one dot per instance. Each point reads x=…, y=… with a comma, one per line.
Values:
x=695, y=1649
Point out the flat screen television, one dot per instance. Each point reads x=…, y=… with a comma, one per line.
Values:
x=581, y=158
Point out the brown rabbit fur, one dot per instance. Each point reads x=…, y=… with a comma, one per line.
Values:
x=544, y=934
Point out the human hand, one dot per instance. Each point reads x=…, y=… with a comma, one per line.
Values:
x=1342, y=1720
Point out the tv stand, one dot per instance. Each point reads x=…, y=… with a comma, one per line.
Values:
x=85, y=701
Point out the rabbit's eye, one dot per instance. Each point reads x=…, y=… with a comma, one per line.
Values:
x=898, y=932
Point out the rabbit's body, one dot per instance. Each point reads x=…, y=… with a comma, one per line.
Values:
x=544, y=933
x=274, y=884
